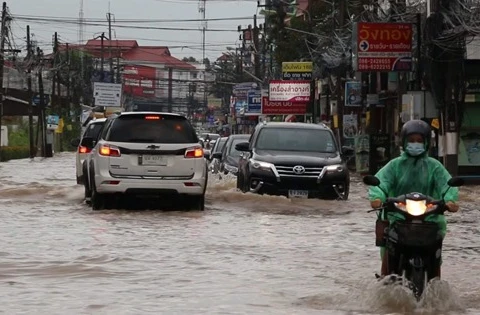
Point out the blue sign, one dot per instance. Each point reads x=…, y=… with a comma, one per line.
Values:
x=254, y=102
x=36, y=99
x=240, y=104
x=353, y=93
x=53, y=120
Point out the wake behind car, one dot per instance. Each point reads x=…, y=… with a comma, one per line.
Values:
x=147, y=153
x=92, y=130
x=293, y=159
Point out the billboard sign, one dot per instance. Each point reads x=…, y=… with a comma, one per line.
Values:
x=290, y=91
x=254, y=106
x=139, y=81
x=297, y=70
x=282, y=108
x=107, y=94
x=382, y=47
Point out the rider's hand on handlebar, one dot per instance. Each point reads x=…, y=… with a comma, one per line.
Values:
x=377, y=203
x=452, y=206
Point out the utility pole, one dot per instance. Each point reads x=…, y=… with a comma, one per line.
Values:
x=118, y=80
x=2, y=63
x=68, y=78
x=30, y=96
x=340, y=84
x=202, y=9
x=170, y=90
x=102, y=58
x=419, y=53
x=256, y=56
x=109, y=17
x=42, y=119
x=54, y=77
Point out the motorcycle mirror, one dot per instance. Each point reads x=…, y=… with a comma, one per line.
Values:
x=371, y=180
x=455, y=182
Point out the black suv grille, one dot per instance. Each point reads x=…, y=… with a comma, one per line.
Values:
x=296, y=171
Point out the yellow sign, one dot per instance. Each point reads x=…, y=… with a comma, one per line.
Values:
x=61, y=124
x=435, y=123
x=297, y=66
x=335, y=121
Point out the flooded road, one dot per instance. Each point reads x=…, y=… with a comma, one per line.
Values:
x=246, y=254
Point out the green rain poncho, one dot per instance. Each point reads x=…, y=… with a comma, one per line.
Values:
x=406, y=174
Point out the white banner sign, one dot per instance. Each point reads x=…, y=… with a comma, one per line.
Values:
x=107, y=94
x=289, y=91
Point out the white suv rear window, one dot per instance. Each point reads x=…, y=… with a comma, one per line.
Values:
x=152, y=128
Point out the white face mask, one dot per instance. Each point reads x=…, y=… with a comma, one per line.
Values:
x=415, y=149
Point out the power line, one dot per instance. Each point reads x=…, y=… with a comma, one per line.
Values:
x=98, y=20
x=45, y=21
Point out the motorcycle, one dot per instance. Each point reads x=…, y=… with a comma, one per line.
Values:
x=413, y=245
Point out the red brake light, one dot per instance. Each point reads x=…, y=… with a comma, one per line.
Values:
x=194, y=153
x=83, y=149
x=107, y=150
x=151, y=117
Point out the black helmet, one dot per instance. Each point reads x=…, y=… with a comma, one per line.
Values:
x=416, y=127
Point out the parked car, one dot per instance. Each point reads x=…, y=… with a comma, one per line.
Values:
x=214, y=165
x=147, y=153
x=230, y=156
x=92, y=130
x=294, y=159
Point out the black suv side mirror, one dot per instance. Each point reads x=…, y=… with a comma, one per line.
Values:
x=75, y=142
x=217, y=155
x=88, y=142
x=243, y=147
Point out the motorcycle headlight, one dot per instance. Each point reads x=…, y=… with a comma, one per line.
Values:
x=413, y=207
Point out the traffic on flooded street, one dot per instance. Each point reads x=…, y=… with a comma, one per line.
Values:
x=245, y=253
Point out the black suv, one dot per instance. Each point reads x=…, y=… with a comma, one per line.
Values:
x=294, y=159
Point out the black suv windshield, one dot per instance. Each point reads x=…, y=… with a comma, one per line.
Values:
x=152, y=128
x=296, y=139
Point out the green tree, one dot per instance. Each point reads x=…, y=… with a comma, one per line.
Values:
x=189, y=59
x=79, y=77
x=297, y=39
x=227, y=72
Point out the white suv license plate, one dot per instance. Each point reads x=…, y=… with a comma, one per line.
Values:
x=298, y=194
x=158, y=160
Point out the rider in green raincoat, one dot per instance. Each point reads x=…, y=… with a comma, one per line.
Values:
x=414, y=171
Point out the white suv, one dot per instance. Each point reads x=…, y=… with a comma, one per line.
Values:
x=147, y=153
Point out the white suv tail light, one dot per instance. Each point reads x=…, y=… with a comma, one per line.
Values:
x=109, y=150
x=194, y=153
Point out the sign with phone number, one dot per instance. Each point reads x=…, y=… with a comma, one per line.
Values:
x=383, y=64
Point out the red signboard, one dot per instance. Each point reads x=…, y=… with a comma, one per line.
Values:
x=139, y=81
x=282, y=107
x=383, y=47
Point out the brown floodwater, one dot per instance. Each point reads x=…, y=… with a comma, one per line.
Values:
x=246, y=254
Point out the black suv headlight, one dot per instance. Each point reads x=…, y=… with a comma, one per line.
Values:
x=259, y=165
x=335, y=168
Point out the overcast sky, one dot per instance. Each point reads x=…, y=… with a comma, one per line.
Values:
x=216, y=41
